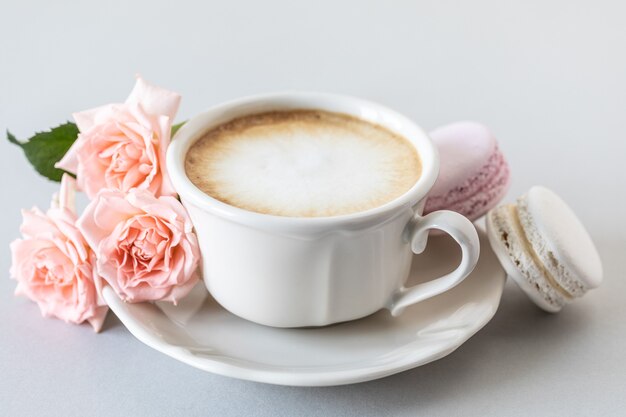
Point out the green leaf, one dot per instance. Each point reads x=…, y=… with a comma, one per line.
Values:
x=176, y=127
x=45, y=149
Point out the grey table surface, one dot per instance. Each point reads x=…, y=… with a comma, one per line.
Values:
x=548, y=77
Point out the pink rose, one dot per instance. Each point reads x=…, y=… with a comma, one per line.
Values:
x=53, y=264
x=122, y=146
x=145, y=246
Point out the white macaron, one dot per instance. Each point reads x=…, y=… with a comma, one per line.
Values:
x=545, y=248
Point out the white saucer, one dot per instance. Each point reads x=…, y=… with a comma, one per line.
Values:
x=199, y=332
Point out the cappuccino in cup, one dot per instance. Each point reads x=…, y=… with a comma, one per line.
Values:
x=303, y=163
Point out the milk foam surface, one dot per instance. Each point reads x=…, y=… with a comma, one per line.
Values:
x=303, y=163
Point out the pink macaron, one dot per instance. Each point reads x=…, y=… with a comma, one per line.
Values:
x=473, y=176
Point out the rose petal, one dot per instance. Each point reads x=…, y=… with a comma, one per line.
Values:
x=69, y=162
x=67, y=193
x=165, y=125
x=102, y=215
x=155, y=100
x=87, y=119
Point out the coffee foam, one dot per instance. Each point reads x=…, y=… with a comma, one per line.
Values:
x=302, y=163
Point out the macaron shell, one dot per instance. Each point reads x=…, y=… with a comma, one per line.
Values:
x=464, y=149
x=474, y=175
x=567, y=241
x=496, y=179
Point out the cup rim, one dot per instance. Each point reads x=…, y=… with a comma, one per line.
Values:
x=366, y=110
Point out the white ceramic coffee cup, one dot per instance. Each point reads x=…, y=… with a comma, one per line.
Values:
x=295, y=272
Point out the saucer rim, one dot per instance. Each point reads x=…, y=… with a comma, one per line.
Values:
x=293, y=376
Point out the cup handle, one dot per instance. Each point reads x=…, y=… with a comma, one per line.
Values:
x=463, y=232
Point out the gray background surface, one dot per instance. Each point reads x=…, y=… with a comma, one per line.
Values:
x=548, y=77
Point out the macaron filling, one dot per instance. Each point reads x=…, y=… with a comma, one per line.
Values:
x=505, y=222
x=569, y=284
